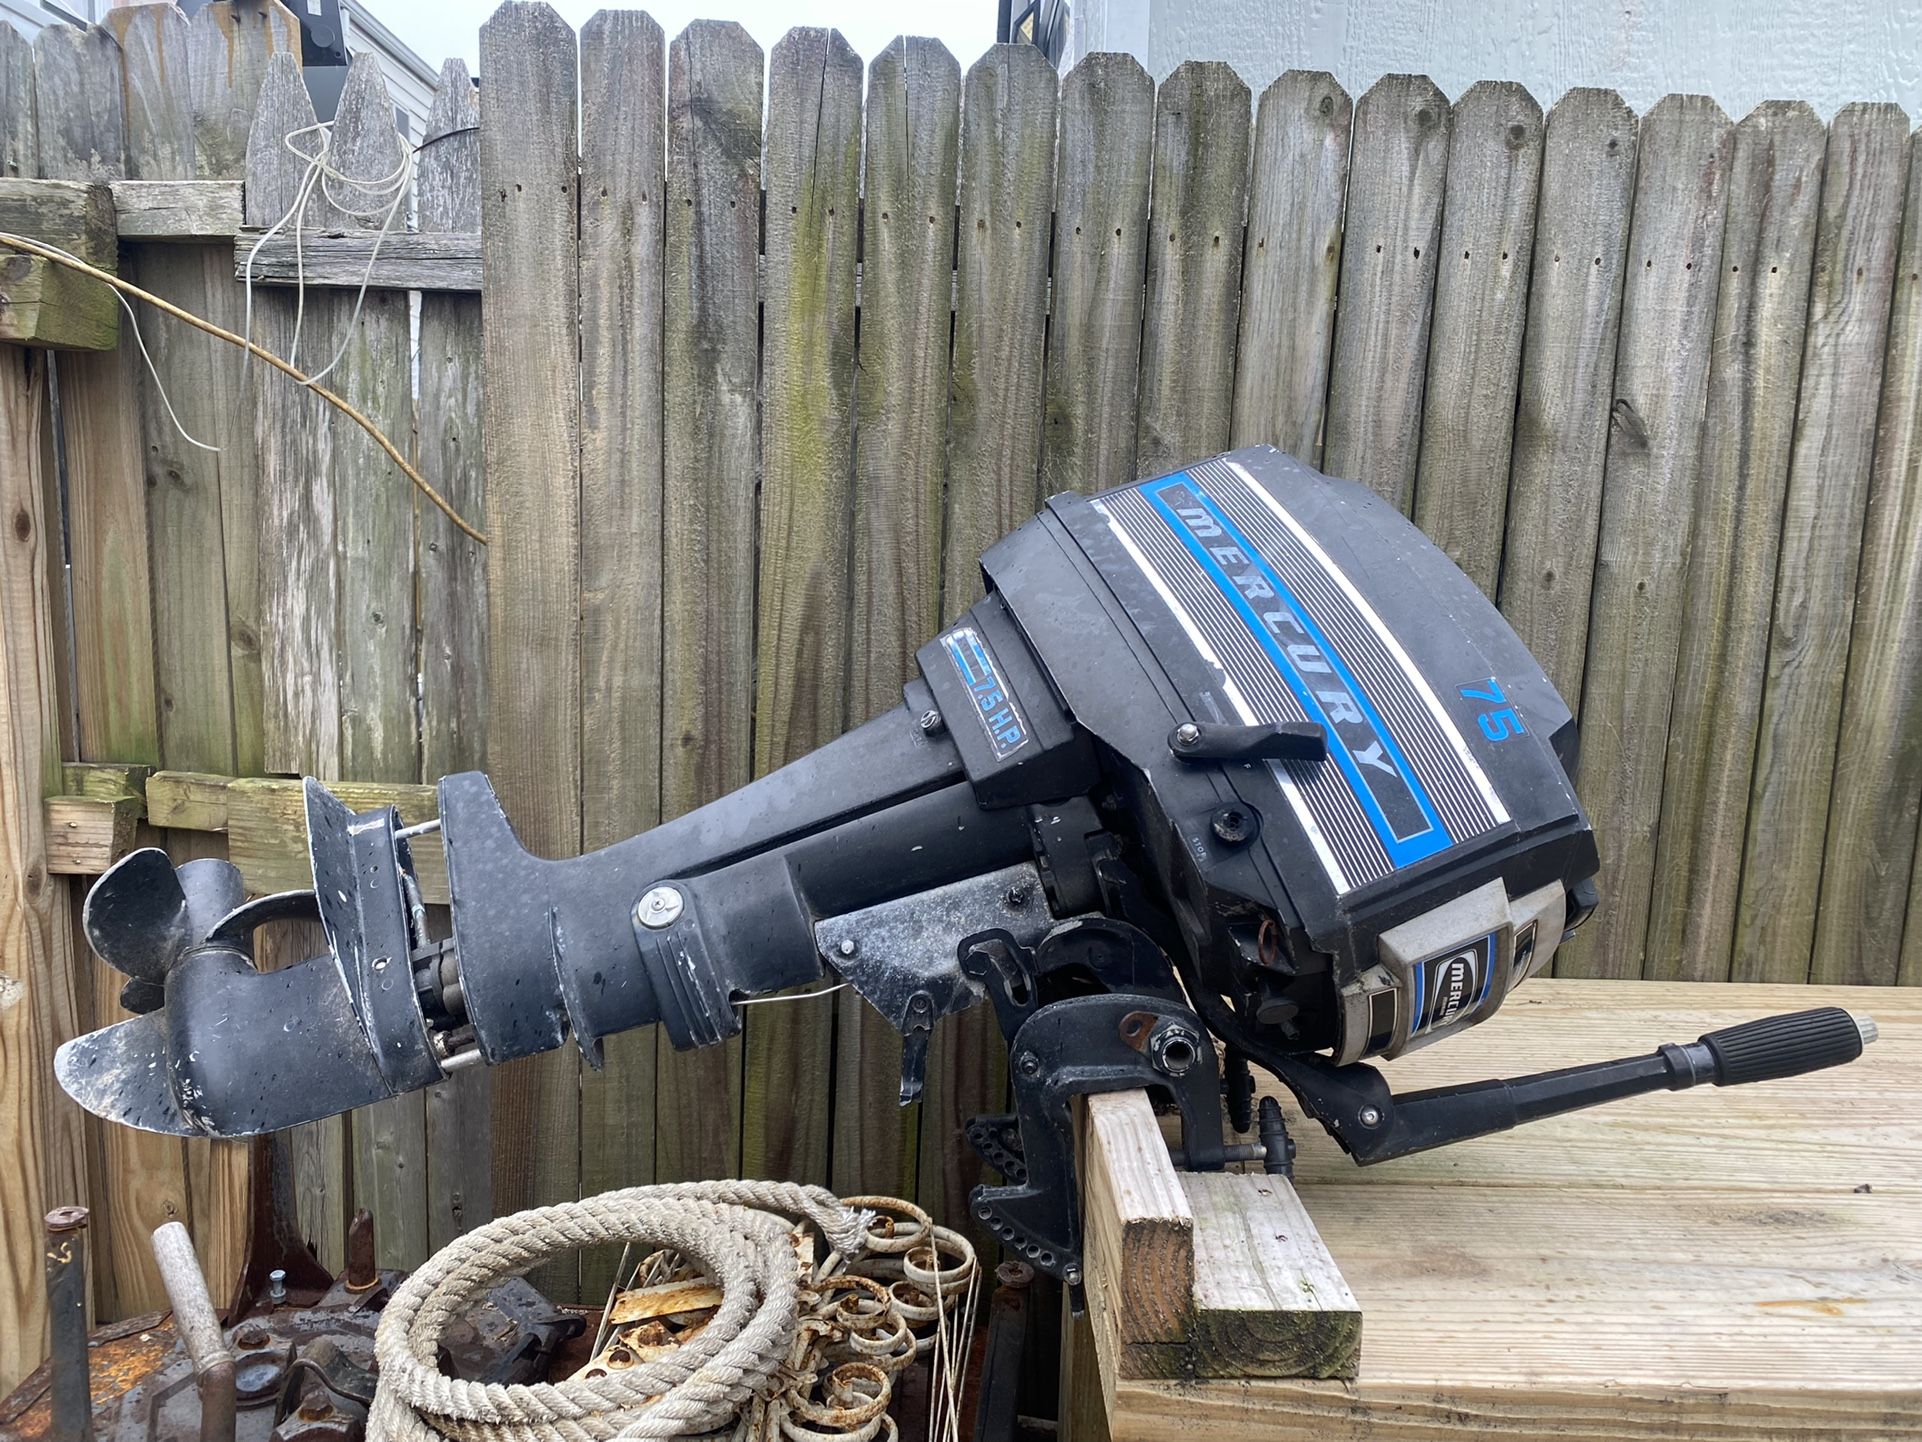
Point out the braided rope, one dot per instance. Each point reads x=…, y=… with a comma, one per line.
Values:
x=736, y=1231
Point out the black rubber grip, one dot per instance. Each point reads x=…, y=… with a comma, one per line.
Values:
x=1786, y=1045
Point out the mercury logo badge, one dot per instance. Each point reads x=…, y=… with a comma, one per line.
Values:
x=999, y=715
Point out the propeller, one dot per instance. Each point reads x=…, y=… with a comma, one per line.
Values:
x=145, y=913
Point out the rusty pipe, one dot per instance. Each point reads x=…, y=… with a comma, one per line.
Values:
x=199, y=1328
x=67, y=1316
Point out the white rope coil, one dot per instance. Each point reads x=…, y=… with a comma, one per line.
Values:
x=738, y=1232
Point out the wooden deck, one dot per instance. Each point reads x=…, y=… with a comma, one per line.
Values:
x=1741, y=1263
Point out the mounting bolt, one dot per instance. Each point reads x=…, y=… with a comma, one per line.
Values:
x=277, y=1285
x=1233, y=825
x=1187, y=736
x=659, y=909
x=1071, y=1274
x=1028, y=1064
x=1174, y=1050
x=1369, y=1117
x=848, y=946
x=930, y=721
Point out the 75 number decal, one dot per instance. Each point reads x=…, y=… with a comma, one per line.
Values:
x=1500, y=721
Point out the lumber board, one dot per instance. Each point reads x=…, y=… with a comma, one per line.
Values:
x=1509, y=1282
x=1775, y=185
x=901, y=405
x=1193, y=303
x=20, y=132
x=1648, y=494
x=452, y=603
x=88, y=834
x=1105, y=142
x=1009, y=101
x=1856, y=245
x=1871, y=846
x=1398, y=165
x=41, y=302
x=1568, y=369
x=375, y=639
x=267, y=830
x=81, y=113
x=1197, y=1276
x=530, y=307
x=176, y=210
x=105, y=781
x=1296, y=198
x=623, y=161
x=1008, y=106
x=399, y=260
x=711, y=449
x=42, y=1146
x=1475, y=339
x=231, y=44
x=812, y=180
x=300, y=611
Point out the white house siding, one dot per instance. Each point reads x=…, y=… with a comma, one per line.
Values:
x=1827, y=52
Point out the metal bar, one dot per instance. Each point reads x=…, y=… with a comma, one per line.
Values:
x=199, y=1329
x=67, y=1317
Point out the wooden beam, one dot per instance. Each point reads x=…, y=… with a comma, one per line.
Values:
x=176, y=210
x=187, y=800
x=434, y=261
x=45, y=304
x=106, y=782
x=1189, y=1275
x=87, y=834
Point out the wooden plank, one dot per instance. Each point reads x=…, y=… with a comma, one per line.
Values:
x=530, y=323
x=45, y=303
x=20, y=135
x=1878, y=765
x=374, y=530
x=1775, y=184
x=1398, y=164
x=1000, y=317
x=399, y=260
x=42, y=1142
x=1654, y=450
x=1764, y=1226
x=623, y=109
x=993, y=454
x=178, y=210
x=1138, y=1248
x=1856, y=247
x=1100, y=252
x=81, y=121
x=159, y=114
x=300, y=612
x=232, y=44
x=267, y=830
x=452, y=603
x=711, y=447
x=88, y=834
x=112, y=612
x=623, y=189
x=1475, y=341
x=189, y=800
x=105, y=782
x=813, y=188
x=901, y=403
x=1197, y=1276
x=1295, y=202
x=1568, y=370
x=1194, y=266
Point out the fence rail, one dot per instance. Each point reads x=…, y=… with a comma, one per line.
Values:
x=761, y=358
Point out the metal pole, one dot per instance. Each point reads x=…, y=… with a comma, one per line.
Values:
x=199, y=1328
x=67, y=1315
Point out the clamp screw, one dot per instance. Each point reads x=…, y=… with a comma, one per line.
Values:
x=659, y=909
x=1368, y=1117
x=1028, y=1064
x=930, y=721
x=1187, y=735
x=277, y=1285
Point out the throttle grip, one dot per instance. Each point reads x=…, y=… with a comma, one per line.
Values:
x=1787, y=1045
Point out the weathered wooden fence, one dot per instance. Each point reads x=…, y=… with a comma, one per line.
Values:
x=767, y=359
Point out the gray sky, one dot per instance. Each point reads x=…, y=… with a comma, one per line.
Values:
x=437, y=29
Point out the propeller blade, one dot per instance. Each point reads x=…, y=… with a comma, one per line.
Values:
x=213, y=887
x=136, y=915
x=235, y=1052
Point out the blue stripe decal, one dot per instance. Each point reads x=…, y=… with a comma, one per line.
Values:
x=1360, y=742
x=994, y=705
